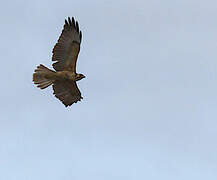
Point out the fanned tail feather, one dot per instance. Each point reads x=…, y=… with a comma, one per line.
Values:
x=42, y=77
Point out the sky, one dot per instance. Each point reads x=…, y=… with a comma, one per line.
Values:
x=150, y=93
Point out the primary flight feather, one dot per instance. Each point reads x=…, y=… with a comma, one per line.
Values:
x=65, y=55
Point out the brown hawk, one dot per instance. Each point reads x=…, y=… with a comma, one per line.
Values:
x=65, y=54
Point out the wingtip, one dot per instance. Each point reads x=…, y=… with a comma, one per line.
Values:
x=77, y=26
x=69, y=21
x=73, y=22
x=80, y=35
x=66, y=23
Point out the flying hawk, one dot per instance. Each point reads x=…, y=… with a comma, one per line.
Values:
x=65, y=54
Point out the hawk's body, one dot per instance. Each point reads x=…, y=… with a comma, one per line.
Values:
x=65, y=53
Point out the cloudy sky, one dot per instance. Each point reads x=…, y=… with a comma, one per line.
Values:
x=150, y=93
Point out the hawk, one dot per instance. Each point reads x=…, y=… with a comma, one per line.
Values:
x=65, y=55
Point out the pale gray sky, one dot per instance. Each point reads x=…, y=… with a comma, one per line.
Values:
x=150, y=97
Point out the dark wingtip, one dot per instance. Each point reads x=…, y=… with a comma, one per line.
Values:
x=73, y=21
x=80, y=35
x=66, y=22
x=77, y=26
x=69, y=20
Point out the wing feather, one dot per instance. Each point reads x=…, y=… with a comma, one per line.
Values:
x=67, y=92
x=66, y=50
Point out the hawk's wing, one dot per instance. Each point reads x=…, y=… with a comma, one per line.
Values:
x=67, y=92
x=66, y=50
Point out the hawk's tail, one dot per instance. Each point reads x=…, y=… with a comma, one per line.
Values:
x=42, y=76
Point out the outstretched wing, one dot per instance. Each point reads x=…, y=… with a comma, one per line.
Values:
x=67, y=92
x=66, y=50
